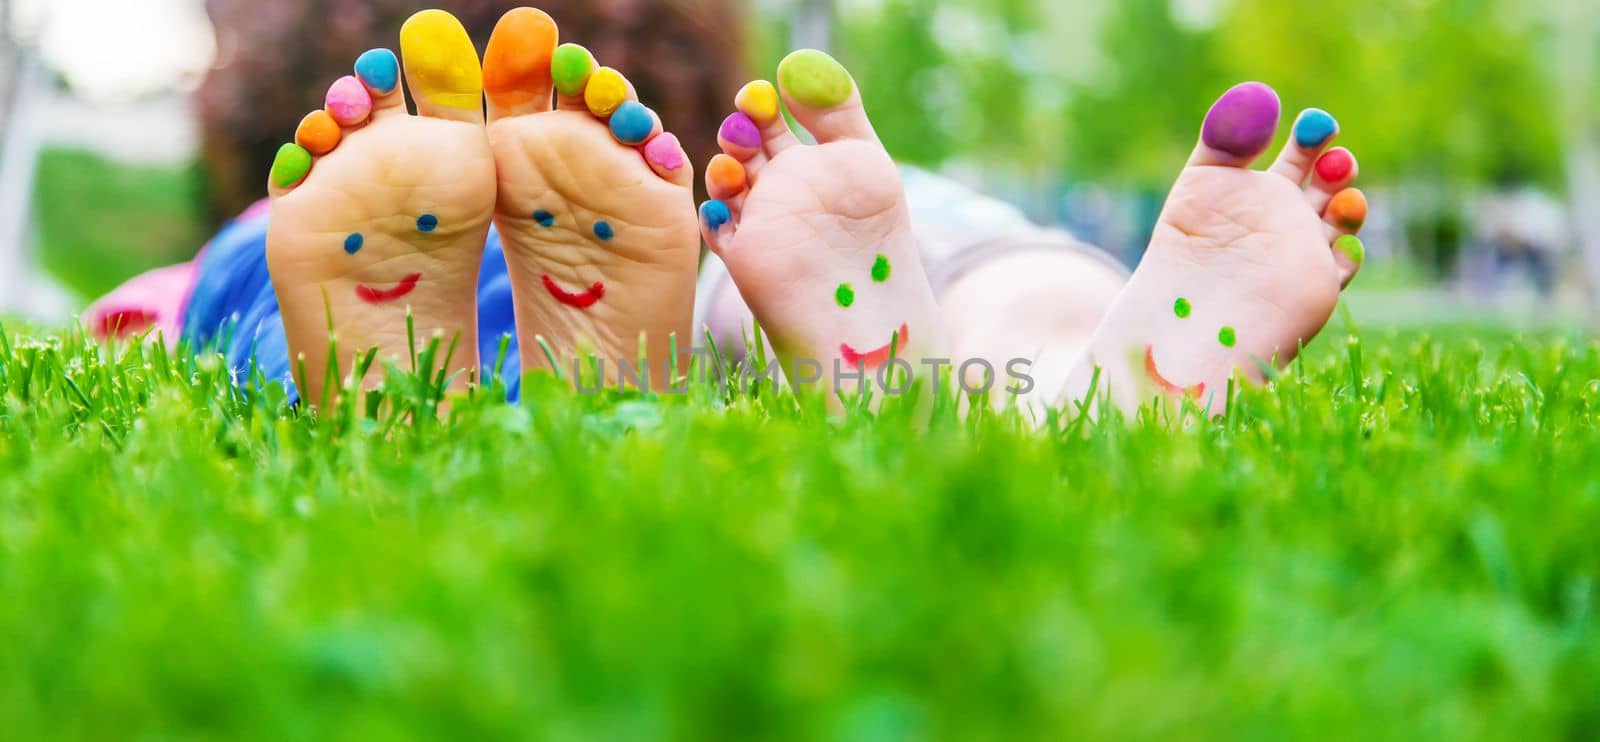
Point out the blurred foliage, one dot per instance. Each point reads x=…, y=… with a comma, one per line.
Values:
x=1115, y=91
x=276, y=59
x=100, y=221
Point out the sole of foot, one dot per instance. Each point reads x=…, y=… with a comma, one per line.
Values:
x=1245, y=266
x=818, y=237
x=378, y=214
x=595, y=206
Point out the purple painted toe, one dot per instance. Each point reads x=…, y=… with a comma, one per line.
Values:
x=1243, y=120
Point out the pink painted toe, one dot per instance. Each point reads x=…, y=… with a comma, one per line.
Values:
x=349, y=102
x=665, y=152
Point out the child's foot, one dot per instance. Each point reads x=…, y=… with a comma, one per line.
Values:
x=393, y=218
x=595, y=205
x=818, y=238
x=1244, y=266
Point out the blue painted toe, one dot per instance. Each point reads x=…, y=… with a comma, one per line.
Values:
x=380, y=70
x=631, y=123
x=715, y=214
x=1314, y=128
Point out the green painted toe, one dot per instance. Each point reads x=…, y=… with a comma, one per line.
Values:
x=1352, y=247
x=291, y=165
x=570, y=68
x=814, y=79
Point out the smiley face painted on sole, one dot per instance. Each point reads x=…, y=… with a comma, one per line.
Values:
x=844, y=295
x=1183, y=310
x=353, y=245
x=601, y=232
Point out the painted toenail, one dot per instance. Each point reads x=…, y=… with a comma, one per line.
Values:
x=441, y=61
x=1335, y=166
x=570, y=68
x=880, y=268
x=1352, y=248
x=604, y=231
x=516, y=64
x=1182, y=308
x=1227, y=336
x=739, y=130
x=845, y=295
x=348, y=101
x=290, y=165
x=759, y=101
x=380, y=70
x=606, y=91
x=1314, y=128
x=632, y=123
x=544, y=218
x=665, y=152
x=427, y=223
x=724, y=176
x=1348, y=209
x=353, y=243
x=715, y=214
x=318, y=133
x=815, y=79
x=1242, y=121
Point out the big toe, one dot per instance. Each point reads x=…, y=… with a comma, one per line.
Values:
x=823, y=97
x=1239, y=126
x=442, y=67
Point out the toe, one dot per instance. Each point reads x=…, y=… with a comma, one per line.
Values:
x=1313, y=130
x=667, y=158
x=348, y=102
x=758, y=101
x=739, y=137
x=379, y=71
x=1349, y=254
x=823, y=97
x=570, y=70
x=289, y=167
x=1238, y=127
x=442, y=67
x=318, y=133
x=606, y=92
x=725, y=178
x=634, y=124
x=516, y=64
x=1334, y=171
x=1347, y=212
x=717, y=225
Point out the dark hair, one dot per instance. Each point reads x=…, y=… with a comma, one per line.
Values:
x=276, y=58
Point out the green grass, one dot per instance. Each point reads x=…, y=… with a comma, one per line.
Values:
x=100, y=221
x=1399, y=539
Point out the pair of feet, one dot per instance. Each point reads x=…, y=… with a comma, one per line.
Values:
x=593, y=203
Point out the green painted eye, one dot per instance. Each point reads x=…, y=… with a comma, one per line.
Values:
x=1181, y=308
x=1227, y=336
x=844, y=295
x=880, y=268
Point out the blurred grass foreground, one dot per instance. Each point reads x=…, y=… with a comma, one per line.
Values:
x=1396, y=541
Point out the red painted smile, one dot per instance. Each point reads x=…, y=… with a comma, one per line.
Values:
x=582, y=300
x=1193, y=392
x=875, y=358
x=380, y=296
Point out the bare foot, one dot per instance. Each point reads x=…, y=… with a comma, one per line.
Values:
x=392, y=220
x=1245, y=266
x=595, y=203
x=818, y=238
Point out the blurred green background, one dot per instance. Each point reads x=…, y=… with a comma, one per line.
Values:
x=1080, y=112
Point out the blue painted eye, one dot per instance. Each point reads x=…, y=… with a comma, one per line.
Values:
x=427, y=223
x=352, y=244
x=604, y=231
x=544, y=218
